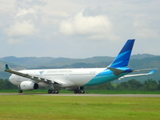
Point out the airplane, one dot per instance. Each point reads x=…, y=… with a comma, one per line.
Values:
x=76, y=79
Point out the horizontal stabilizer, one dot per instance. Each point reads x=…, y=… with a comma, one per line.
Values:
x=144, y=69
x=135, y=75
x=153, y=71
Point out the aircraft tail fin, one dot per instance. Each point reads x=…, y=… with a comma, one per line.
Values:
x=123, y=57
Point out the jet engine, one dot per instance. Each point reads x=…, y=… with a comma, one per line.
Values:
x=28, y=85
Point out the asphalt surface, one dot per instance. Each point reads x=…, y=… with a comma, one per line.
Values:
x=90, y=95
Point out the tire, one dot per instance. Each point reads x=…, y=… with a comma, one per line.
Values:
x=76, y=91
x=79, y=91
x=20, y=91
x=82, y=91
x=56, y=91
x=49, y=91
x=53, y=91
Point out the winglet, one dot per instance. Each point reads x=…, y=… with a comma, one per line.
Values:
x=6, y=67
x=152, y=71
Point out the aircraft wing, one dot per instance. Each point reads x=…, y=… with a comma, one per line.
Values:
x=134, y=75
x=32, y=77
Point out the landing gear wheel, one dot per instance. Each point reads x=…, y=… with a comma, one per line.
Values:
x=82, y=91
x=79, y=91
x=20, y=91
x=49, y=91
x=53, y=92
x=76, y=91
x=56, y=91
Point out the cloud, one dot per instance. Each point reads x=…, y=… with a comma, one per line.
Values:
x=14, y=40
x=77, y=24
x=94, y=27
x=21, y=29
x=146, y=33
x=30, y=3
x=22, y=12
x=145, y=27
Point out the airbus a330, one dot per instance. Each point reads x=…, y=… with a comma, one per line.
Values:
x=75, y=79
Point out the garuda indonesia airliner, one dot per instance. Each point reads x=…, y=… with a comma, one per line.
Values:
x=75, y=79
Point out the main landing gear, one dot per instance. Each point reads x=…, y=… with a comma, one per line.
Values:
x=79, y=91
x=53, y=91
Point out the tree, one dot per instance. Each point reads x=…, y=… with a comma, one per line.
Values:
x=109, y=86
x=150, y=85
x=158, y=85
x=123, y=86
x=5, y=84
x=135, y=85
x=130, y=85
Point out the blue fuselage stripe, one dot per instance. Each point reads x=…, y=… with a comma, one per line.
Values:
x=106, y=76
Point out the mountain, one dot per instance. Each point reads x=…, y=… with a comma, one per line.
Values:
x=141, y=56
x=27, y=61
x=34, y=62
x=68, y=62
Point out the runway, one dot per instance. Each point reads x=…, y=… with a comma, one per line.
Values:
x=88, y=95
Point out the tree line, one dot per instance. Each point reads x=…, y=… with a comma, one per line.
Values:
x=5, y=85
x=148, y=85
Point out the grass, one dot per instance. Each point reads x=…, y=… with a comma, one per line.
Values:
x=25, y=107
x=44, y=91
x=122, y=92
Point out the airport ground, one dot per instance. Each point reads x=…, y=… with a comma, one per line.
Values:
x=87, y=95
x=44, y=91
x=15, y=106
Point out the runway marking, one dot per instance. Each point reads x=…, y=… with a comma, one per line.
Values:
x=89, y=95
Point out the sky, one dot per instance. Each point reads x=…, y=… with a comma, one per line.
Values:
x=78, y=28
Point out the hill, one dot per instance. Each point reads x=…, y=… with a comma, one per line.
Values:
x=27, y=62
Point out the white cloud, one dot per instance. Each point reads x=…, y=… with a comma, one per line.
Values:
x=51, y=23
x=98, y=26
x=21, y=29
x=145, y=27
x=146, y=33
x=25, y=11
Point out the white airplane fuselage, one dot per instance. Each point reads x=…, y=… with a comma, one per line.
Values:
x=77, y=77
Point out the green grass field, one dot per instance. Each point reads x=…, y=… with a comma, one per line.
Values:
x=32, y=107
x=44, y=91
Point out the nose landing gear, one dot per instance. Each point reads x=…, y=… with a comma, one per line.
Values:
x=20, y=91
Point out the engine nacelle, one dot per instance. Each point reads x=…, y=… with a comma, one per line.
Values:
x=28, y=85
